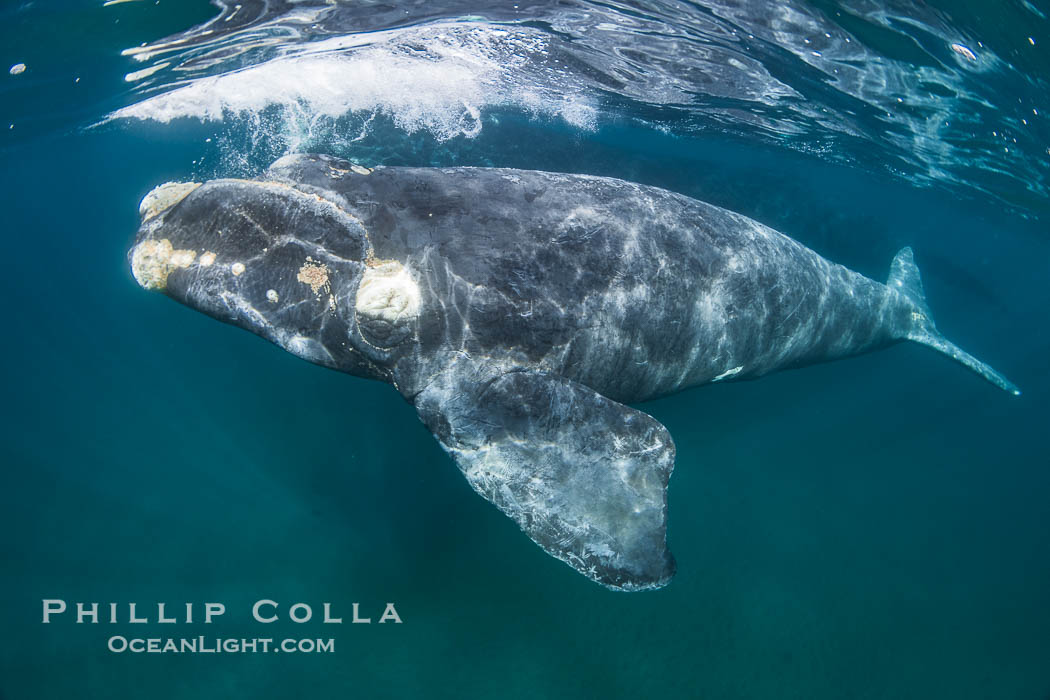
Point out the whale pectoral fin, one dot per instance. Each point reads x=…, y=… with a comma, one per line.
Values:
x=584, y=476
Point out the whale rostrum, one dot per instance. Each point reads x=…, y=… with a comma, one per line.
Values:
x=520, y=312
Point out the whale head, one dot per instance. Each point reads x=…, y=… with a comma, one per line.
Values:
x=287, y=265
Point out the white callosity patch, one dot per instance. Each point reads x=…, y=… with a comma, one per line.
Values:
x=315, y=275
x=164, y=196
x=152, y=261
x=388, y=292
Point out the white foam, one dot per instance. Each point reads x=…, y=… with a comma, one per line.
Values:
x=448, y=76
x=443, y=88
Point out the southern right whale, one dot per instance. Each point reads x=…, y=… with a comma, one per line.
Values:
x=519, y=311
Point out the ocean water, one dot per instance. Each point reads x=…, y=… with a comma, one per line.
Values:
x=877, y=527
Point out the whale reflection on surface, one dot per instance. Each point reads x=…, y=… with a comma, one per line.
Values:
x=887, y=88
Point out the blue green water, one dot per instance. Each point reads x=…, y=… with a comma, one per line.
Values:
x=874, y=528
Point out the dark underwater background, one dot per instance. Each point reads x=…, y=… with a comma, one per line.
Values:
x=873, y=528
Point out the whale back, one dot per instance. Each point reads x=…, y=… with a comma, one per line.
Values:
x=590, y=277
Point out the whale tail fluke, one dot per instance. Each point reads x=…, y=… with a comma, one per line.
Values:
x=904, y=277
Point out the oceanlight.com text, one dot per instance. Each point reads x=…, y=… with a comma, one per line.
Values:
x=218, y=645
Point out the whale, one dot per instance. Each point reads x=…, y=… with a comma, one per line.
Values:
x=523, y=313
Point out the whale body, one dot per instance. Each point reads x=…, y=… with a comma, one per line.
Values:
x=519, y=312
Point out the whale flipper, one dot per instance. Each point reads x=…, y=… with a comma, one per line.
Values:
x=584, y=476
x=904, y=277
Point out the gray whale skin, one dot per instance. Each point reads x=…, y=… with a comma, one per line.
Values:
x=519, y=312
